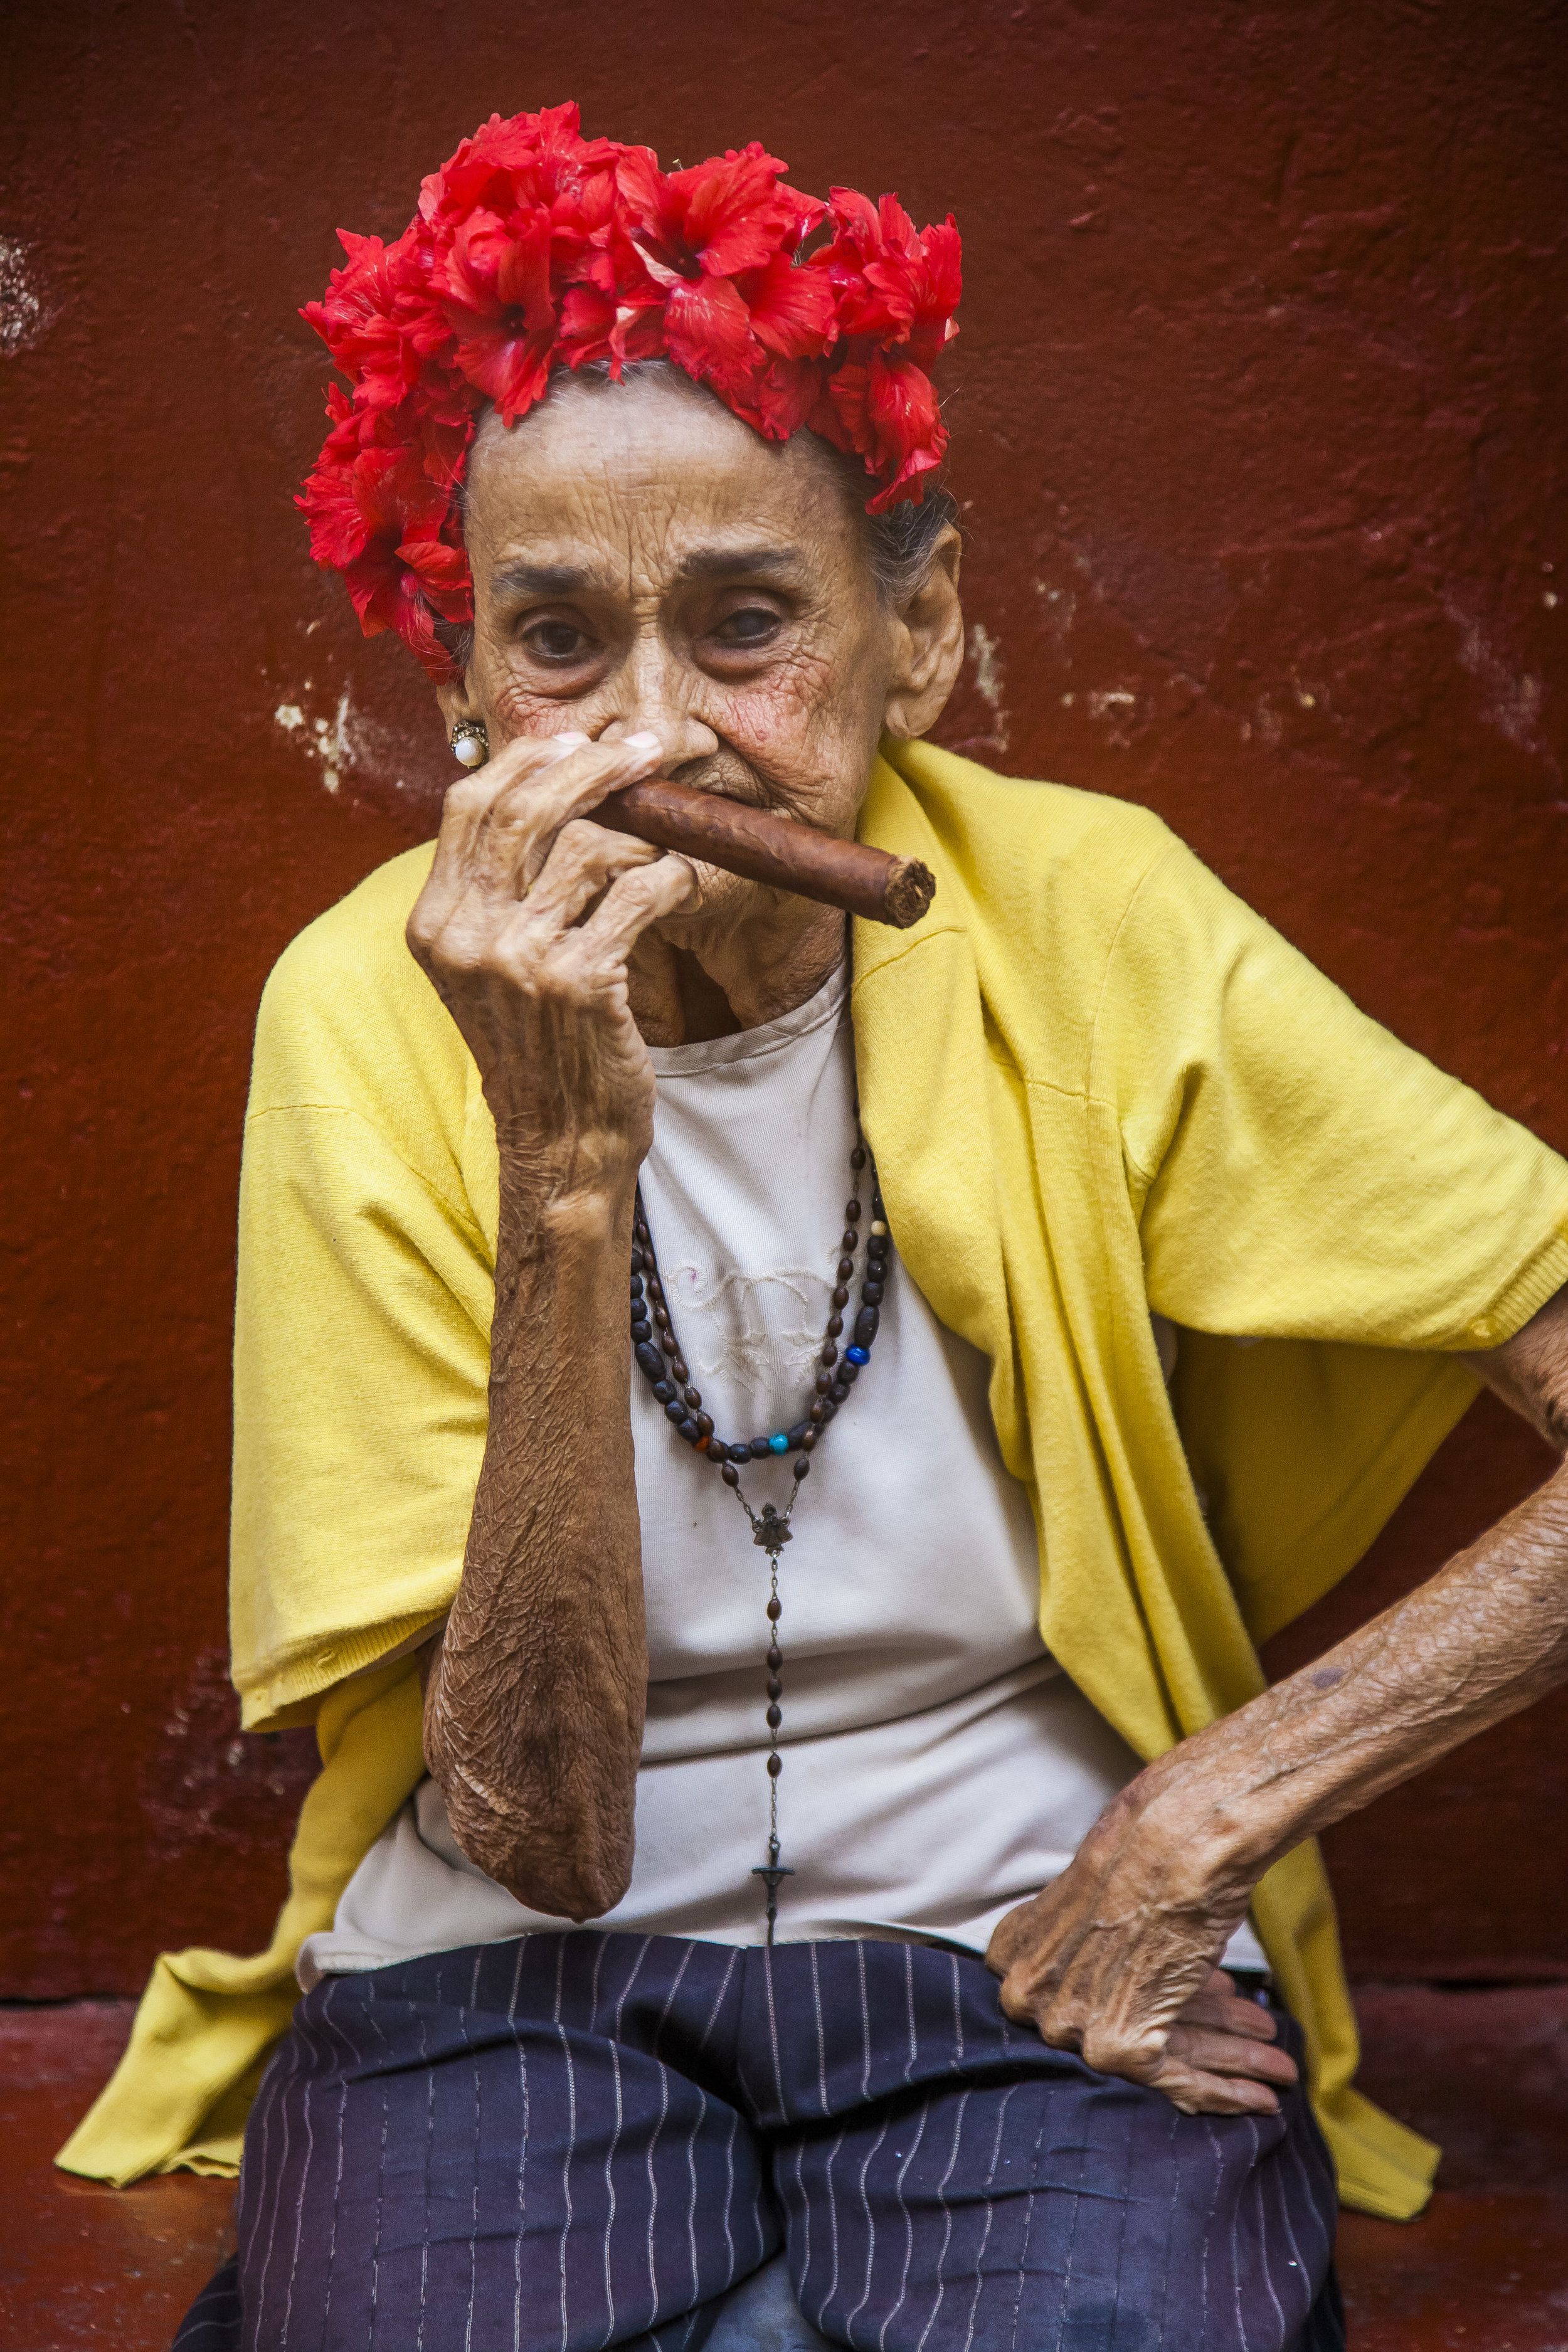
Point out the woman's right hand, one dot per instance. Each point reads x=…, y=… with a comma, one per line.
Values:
x=535, y=983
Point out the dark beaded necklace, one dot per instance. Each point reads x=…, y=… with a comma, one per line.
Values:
x=659, y=1359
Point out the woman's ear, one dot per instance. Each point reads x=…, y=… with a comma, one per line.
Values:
x=930, y=648
x=456, y=702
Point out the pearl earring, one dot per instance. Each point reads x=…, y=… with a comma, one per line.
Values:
x=471, y=743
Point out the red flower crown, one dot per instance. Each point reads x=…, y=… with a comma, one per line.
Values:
x=534, y=248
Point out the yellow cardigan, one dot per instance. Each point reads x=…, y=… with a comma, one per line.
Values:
x=1095, y=1083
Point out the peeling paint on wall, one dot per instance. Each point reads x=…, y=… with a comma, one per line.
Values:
x=985, y=654
x=22, y=313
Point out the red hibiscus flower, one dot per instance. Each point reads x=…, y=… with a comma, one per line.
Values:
x=891, y=281
x=719, y=242
x=376, y=515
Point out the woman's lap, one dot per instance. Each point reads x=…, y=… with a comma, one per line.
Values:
x=583, y=2140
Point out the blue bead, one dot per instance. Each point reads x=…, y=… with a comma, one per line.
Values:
x=857, y=1355
x=779, y=1445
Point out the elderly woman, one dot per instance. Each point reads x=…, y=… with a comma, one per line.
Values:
x=1105, y=1270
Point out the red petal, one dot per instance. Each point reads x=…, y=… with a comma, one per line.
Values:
x=793, y=311
x=730, y=217
x=707, y=327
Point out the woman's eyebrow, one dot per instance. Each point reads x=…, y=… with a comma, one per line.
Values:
x=736, y=562
x=539, y=579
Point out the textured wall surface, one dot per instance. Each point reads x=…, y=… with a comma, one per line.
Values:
x=1259, y=413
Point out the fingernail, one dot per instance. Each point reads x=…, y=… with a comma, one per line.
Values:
x=646, y=742
x=562, y=746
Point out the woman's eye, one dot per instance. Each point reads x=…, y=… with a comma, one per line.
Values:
x=556, y=641
x=752, y=625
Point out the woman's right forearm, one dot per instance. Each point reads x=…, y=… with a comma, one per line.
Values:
x=534, y=1704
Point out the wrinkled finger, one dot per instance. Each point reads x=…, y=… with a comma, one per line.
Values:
x=1036, y=2005
x=668, y=887
x=1230, y=2014
x=584, y=860
x=1215, y=2053
x=530, y=807
x=472, y=799
x=1200, y=2093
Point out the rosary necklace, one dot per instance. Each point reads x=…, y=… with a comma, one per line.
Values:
x=660, y=1359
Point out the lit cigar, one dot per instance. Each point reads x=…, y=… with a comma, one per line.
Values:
x=763, y=848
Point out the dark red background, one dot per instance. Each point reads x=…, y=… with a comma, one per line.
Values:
x=1258, y=416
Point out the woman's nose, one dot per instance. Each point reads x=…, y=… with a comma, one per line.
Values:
x=653, y=697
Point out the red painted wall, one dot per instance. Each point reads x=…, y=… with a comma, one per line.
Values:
x=1259, y=412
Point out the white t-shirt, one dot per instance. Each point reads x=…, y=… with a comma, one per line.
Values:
x=939, y=1766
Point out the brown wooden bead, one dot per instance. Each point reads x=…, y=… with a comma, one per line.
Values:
x=775, y=1717
x=775, y=1608
x=846, y=1268
x=731, y=1477
x=774, y=1658
x=801, y=1465
x=858, y=1157
x=814, y=1413
x=775, y=1689
x=776, y=1765
x=809, y=1440
x=829, y=1354
x=693, y=1398
x=704, y=1420
x=852, y=1211
x=835, y=1322
x=823, y=1382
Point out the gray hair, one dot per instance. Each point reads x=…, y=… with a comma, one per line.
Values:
x=900, y=545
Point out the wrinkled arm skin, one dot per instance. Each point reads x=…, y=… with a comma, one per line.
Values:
x=1106, y=1960
x=535, y=1694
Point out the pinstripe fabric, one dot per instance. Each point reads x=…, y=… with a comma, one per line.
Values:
x=573, y=2141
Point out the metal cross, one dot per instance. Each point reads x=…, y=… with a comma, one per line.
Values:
x=771, y=1872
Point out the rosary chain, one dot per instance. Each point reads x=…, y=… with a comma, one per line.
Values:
x=659, y=1358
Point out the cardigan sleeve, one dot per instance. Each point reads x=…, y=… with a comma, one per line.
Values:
x=1298, y=1171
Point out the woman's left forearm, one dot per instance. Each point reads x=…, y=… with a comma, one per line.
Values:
x=1485, y=1637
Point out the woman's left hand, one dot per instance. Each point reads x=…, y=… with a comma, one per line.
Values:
x=1116, y=1960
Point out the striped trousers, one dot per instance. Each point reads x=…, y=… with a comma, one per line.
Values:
x=573, y=2141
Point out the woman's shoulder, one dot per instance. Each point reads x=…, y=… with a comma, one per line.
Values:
x=1025, y=833
x=362, y=935
x=347, y=1018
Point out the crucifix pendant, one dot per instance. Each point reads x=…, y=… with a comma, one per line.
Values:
x=771, y=1872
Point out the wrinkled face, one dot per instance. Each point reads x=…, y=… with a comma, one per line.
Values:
x=642, y=559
